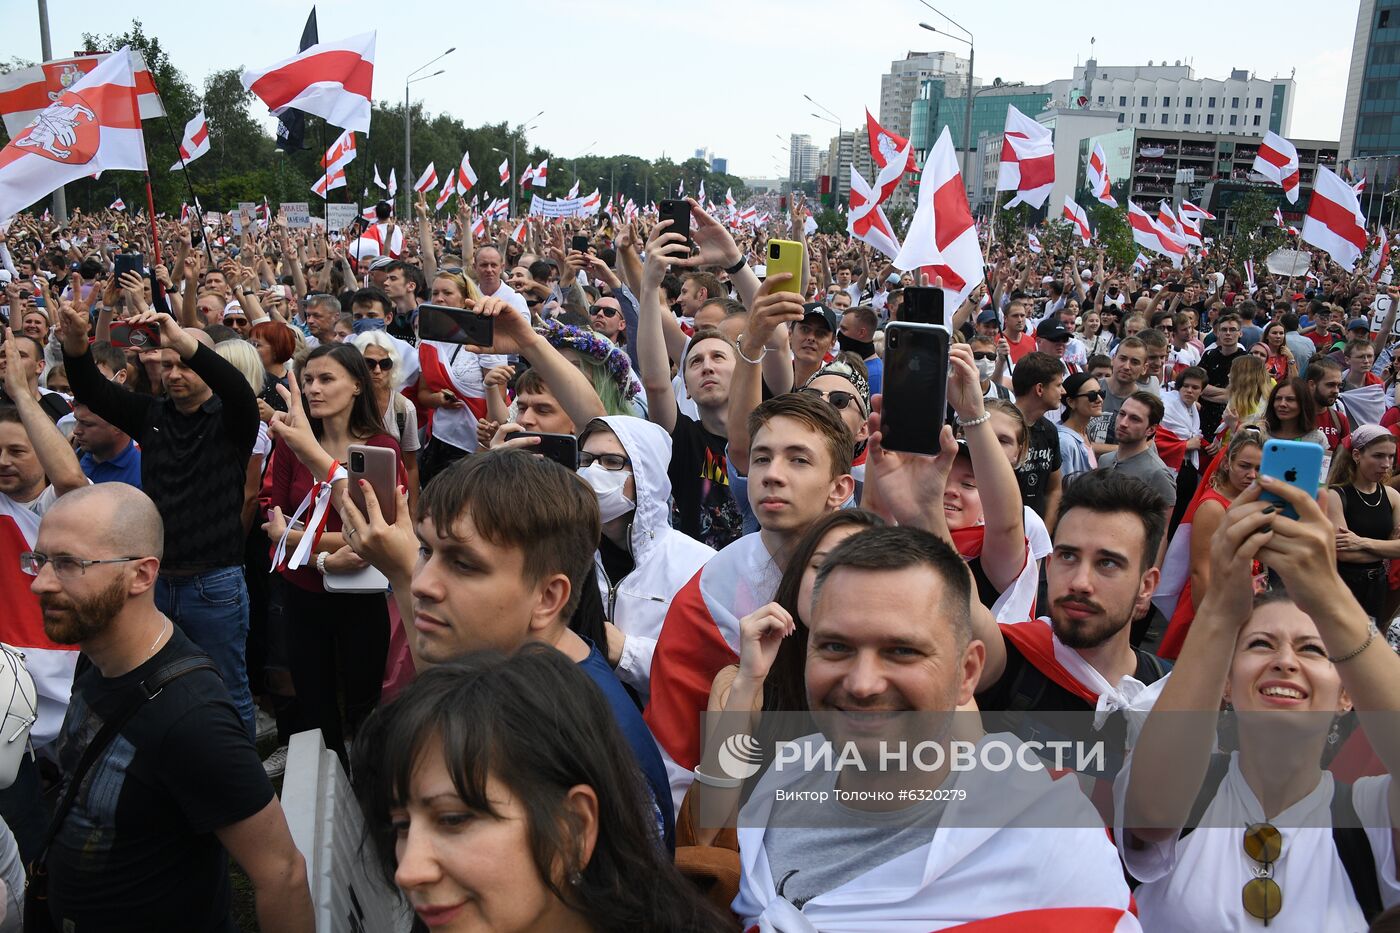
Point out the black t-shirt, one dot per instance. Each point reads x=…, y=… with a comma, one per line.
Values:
x=1042, y=459
x=704, y=504
x=137, y=852
x=1217, y=366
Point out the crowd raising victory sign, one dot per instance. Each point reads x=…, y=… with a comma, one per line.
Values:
x=815, y=557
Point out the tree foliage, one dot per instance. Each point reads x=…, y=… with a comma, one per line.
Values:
x=1256, y=235
x=1112, y=232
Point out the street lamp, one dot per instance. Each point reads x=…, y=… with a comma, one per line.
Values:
x=586, y=150
x=520, y=130
x=971, y=59
x=408, y=129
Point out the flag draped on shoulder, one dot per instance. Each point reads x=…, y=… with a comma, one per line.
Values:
x=1097, y=175
x=1027, y=160
x=27, y=92
x=93, y=126
x=942, y=237
x=195, y=143
x=1277, y=160
x=333, y=80
x=1334, y=221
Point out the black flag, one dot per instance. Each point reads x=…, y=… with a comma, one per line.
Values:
x=291, y=125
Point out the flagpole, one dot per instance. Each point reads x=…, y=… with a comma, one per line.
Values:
x=189, y=185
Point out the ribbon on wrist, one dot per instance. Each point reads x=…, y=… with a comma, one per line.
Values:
x=318, y=500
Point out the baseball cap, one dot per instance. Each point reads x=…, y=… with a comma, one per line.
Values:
x=988, y=316
x=1359, y=323
x=233, y=309
x=380, y=263
x=820, y=311
x=1052, y=329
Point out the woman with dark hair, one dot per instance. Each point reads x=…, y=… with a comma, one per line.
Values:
x=1291, y=413
x=498, y=794
x=773, y=652
x=336, y=641
x=1279, y=360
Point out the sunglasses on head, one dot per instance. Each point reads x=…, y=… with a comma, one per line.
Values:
x=838, y=400
x=383, y=363
x=604, y=311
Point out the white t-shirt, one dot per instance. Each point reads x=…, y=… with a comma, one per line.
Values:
x=408, y=437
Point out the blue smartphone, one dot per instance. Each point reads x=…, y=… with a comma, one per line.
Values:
x=1297, y=463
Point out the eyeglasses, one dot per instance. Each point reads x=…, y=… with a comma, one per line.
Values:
x=610, y=462
x=1096, y=396
x=383, y=363
x=984, y=355
x=1262, y=897
x=64, y=565
x=236, y=321
x=604, y=311
x=839, y=400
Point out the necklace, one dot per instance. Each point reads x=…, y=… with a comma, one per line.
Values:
x=1380, y=491
x=159, y=636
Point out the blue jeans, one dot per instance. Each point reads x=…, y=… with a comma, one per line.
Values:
x=211, y=608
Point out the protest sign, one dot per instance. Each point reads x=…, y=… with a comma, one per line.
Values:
x=298, y=214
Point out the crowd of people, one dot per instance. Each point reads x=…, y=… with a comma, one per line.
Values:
x=651, y=522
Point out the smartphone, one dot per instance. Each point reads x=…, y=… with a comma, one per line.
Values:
x=127, y=262
x=561, y=448
x=455, y=325
x=923, y=305
x=380, y=467
x=1297, y=463
x=787, y=256
x=915, y=387
x=678, y=212
x=579, y=244
x=136, y=336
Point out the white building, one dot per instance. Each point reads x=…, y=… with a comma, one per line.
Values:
x=1171, y=98
x=900, y=87
x=802, y=158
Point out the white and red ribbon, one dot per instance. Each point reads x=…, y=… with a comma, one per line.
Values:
x=318, y=500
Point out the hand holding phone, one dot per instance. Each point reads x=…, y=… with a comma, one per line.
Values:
x=455, y=325
x=787, y=256
x=915, y=397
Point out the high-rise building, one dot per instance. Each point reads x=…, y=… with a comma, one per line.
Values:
x=935, y=109
x=900, y=87
x=802, y=159
x=719, y=164
x=1371, y=111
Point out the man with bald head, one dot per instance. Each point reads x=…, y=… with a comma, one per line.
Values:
x=486, y=266
x=195, y=443
x=178, y=783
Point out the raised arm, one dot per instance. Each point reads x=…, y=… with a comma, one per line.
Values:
x=770, y=310
x=426, y=246
x=50, y=447
x=662, y=249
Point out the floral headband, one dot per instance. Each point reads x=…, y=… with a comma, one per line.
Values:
x=592, y=344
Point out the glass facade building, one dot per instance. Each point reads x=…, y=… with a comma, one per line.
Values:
x=1371, y=118
x=942, y=103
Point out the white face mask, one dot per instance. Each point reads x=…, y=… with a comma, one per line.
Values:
x=985, y=368
x=608, y=485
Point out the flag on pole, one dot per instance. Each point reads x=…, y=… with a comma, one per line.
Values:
x=393, y=184
x=867, y=221
x=466, y=175
x=427, y=181
x=291, y=123
x=729, y=198
x=195, y=143
x=573, y=190
x=886, y=146
x=1076, y=216
x=700, y=195
x=330, y=79
x=379, y=182
x=888, y=178
x=518, y=234
x=680, y=189
x=528, y=175
x=1141, y=263
x=541, y=174
x=1191, y=230
x=1287, y=228
x=505, y=171
x=341, y=153
x=1334, y=221
x=1169, y=224
x=1380, y=257
x=93, y=126
x=1097, y=173
x=1188, y=209
x=27, y=92
x=1148, y=233
x=1277, y=160
x=479, y=227
x=1033, y=242
x=1027, y=160
x=449, y=188
x=589, y=205
x=942, y=236
x=1360, y=186
x=329, y=181
x=117, y=205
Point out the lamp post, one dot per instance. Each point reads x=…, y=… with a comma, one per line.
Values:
x=586, y=150
x=971, y=60
x=520, y=130
x=408, y=130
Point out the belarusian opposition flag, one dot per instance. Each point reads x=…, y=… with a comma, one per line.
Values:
x=1188, y=209
x=505, y=171
x=527, y=176
x=942, y=237
x=1168, y=222
x=94, y=126
x=1027, y=160
x=427, y=181
x=1033, y=243
x=330, y=79
x=329, y=181
x=25, y=93
x=1097, y=175
x=867, y=221
x=378, y=182
x=886, y=147
x=195, y=143
x=341, y=153
x=117, y=205
x=1334, y=221
x=466, y=175
x=448, y=189
x=1277, y=160
x=1076, y=216
x=541, y=174
x=1380, y=257
x=573, y=191
x=393, y=184
x=1148, y=233
x=518, y=234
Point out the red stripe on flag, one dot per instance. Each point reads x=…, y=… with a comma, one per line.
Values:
x=951, y=213
x=1037, y=172
x=114, y=104
x=350, y=69
x=200, y=135
x=1340, y=220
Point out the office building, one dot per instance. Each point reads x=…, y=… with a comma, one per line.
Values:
x=937, y=108
x=719, y=164
x=900, y=87
x=1371, y=109
x=802, y=159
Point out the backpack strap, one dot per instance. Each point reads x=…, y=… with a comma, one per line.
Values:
x=1149, y=663
x=1354, y=849
x=1215, y=773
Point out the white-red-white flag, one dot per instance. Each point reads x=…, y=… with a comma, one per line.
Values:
x=1191, y=230
x=700, y=195
x=1188, y=209
x=1334, y=221
x=518, y=234
x=393, y=184
x=26, y=92
x=1148, y=234
x=1097, y=174
x=94, y=126
x=541, y=174
x=867, y=221
x=590, y=204
x=890, y=174
x=449, y=188
x=573, y=191
x=117, y=205
x=328, y=182
x=1076, y=216
x=1169, y=224
x=341, y=153
x=528, y=175
x=330, y=79
x=378, y=182
x=1360, y=186
x=1027, y=160
x=1277, y=160
x=369, y=212
x=1380, y=257
x=729, y=198
x=1249, y=276
x=479, y=227
x=505, y=171
x=1033, y=242
x=427, y=181
x=466, y=175
x=195, y=143
x=1141, y=263
x=942, y=237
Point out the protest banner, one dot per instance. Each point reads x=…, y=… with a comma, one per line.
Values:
x=298, y=214
x=340, y=216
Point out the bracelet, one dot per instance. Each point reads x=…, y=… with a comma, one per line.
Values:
x=971, y=422
x=1370, y=637
x=713, y=781
x=321, y=562
x=738, y=348
x=734, y=269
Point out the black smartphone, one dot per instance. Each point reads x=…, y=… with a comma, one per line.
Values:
x=127, y=262
x=136, y=336
x=561, y=448
x=678, y=212
x=455, y=325
x=1177, y=287
x=915, y=387
x=923, y=305
x=579, y=244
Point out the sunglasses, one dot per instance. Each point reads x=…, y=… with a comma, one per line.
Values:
x=839, y=400
x=1096, y=396
x=1262, y=897
x=984, y=355
x=604, y=311
x=236, y=321
x=383, y=363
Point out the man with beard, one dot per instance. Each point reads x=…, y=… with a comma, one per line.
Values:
x=1099, y=577
x=173, y=780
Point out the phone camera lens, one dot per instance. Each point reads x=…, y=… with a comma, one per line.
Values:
x=775, y=251
x=357, y=462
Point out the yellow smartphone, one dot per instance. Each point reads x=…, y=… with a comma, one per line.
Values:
x=787, y=256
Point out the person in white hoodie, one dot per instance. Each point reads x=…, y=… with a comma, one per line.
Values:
x=641, y=561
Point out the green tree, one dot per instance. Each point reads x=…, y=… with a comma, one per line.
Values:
x=1256, y=235
x=1113, y=234
x=1011, y=224
x=830, y=220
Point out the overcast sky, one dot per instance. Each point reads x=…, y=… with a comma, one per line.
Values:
x=728, y=75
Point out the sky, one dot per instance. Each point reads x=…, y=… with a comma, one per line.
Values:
x=665, y=77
